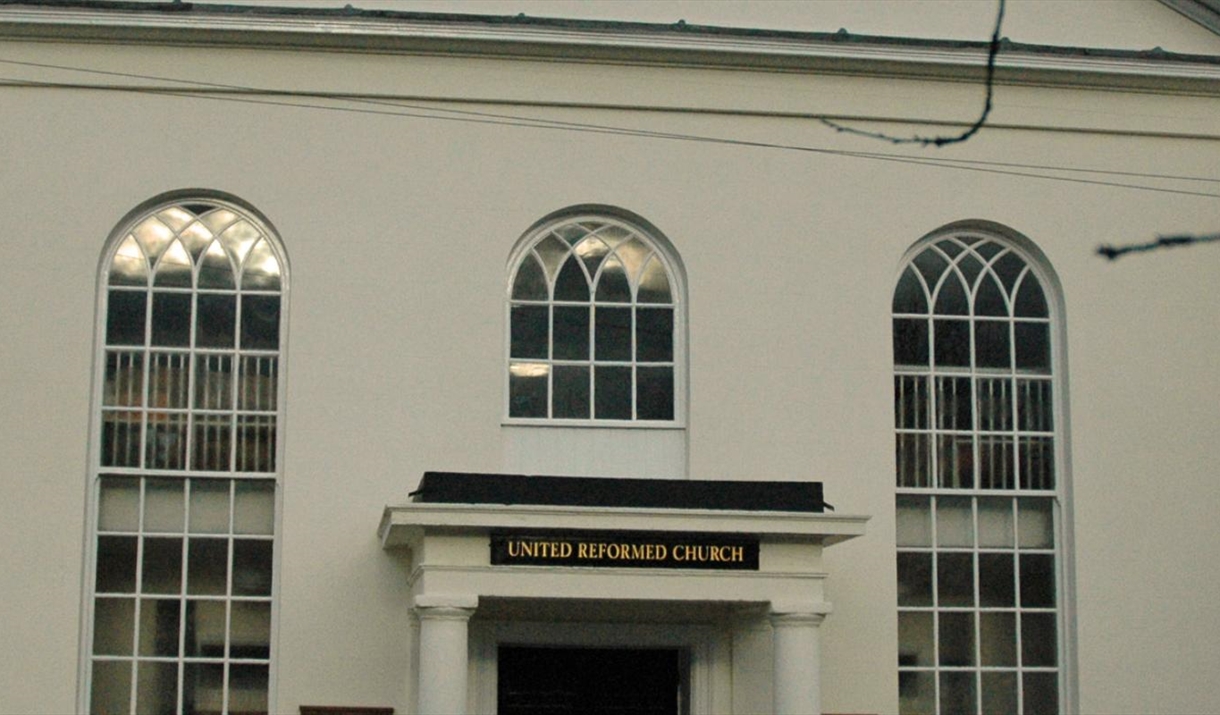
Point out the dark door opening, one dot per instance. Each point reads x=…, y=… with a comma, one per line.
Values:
x=597, y=681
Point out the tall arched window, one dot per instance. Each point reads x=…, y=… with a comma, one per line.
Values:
x=593, y=315
x=185, y=461
x=979, y=490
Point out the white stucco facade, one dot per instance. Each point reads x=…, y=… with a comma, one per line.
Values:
x=399, y=159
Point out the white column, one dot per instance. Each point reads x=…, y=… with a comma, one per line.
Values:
x=797, y=655
x=443, y=653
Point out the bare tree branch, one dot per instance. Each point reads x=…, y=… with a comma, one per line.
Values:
x=1113, y=252
x=992, y=51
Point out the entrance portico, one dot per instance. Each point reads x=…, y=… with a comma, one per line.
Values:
x=500, y=562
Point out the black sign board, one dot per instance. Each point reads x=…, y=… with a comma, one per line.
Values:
x=625, y=550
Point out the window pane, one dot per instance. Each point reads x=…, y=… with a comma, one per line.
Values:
x=957, y=693
x=991, y=344
x=1037, y=462
x=612, y=389
x=1031, y=302
x=216, y=321
x=205, y=629
x=613, y=334
x=215, y=271
x=956, y=643
x=999, y=692
x=251, y=567
x=916, y=692
x=116, y=564
x=914, y=579
x=530, y=334
x=951, y=300
x=654, y=284
x=259, y=383
x=213, y=443
x=954, y=579
x=171, y=319
x=1041, y=693
x=910, y=341
x=914, y=521
x=166, y=448
x=254, y=508
x=260, y=322
x=164, y=507
x=571, y=398
x=612, y=285
x=914, y=457
x=571, y=285
x=955, y=462
x=997, y=584
x=527, y=390
x=250, y=635
x=207, y=567
x=213, y=382
x=1034, y=411
x=209, y=507
x=912, y=405
x=915, y=640
x=1034, y=524
x=248, y=688
x=995, y=522
x=952, y=343
x=1033, y=346
x=954, y=526
x=954, y=404
x=203, y=687
x=255, y=443
x=121, y=440
x=119, y=504
x=111, y=690
x=654, y=334
x=654, y=398
x=571, y=333
x=169, y=380
x=161, y=568
x=159, y=622
x=125, y=316
x=156, y=687
x=530, y=283
x=1039, y=640
x=1037, y=581
x=909, y=296
x=998, y=639
x=114, y=621
x=261, y=270
x=994, y=399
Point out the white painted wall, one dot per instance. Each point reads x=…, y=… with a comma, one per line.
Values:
x=398, y=231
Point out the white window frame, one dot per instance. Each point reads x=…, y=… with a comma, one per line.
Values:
x=1059, y=497
x=671, y=262
x=143, y=474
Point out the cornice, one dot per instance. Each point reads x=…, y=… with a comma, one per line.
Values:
x=520, y=37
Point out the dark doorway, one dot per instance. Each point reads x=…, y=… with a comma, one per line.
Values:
x=598, y=681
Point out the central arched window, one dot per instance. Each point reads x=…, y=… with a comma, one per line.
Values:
x=593, y=324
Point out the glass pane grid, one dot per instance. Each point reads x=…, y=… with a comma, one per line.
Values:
x=592, y=329
x=177, y=608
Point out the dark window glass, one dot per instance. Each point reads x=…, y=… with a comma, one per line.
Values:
x=910, y=341
x=612, y=386
x=1033, y=346
x=952, y=343
x=571, y=333
x=171, y=319
x=527, y=390
x=216, y=321
x=571, y=398
x=529, y=331
x=530, y=283
x=571, y=285
x=909, y=296
x=991, y=343
x=260, y=322
x=655, y=393
x=613, y=333
x=654, y=334
x=125, y=318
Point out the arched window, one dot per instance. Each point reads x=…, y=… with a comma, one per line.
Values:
x=979, y=488
x=593, y=316
x=185, y=461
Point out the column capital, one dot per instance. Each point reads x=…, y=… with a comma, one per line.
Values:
x=453, y=607
x=801, y=608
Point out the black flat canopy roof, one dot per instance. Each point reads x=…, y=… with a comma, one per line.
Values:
x=520, y=489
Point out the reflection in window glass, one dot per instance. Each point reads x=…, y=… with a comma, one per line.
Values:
x=977, y=558
x=592, y=325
